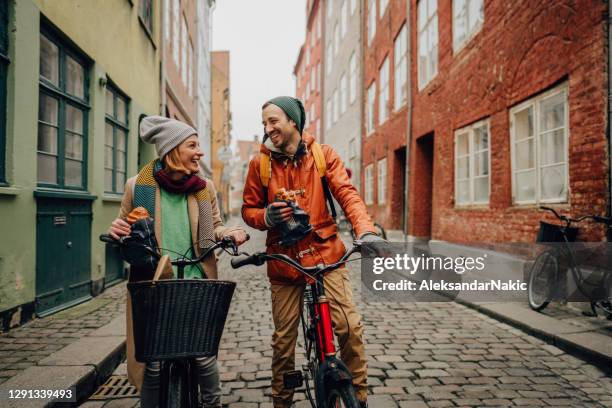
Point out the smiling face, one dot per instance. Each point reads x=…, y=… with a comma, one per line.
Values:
x=190, y=153
x=281, y=130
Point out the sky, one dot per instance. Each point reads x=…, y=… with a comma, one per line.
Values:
x=264, y=38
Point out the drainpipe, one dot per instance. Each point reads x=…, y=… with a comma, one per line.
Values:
x=409, y=123
x=163, y=59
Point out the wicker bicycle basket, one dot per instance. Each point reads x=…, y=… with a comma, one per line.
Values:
x=179, y=318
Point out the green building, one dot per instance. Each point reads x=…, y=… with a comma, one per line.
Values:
x=75, y=76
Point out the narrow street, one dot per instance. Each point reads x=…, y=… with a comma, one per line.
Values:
x=420, y=354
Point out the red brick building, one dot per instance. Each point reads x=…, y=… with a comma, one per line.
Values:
x=385, y=110
x=509, y=112
x=308, y=69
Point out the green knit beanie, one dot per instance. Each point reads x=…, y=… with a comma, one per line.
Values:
x=293, y=108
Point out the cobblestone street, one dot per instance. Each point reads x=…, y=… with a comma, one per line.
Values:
x=420, y=355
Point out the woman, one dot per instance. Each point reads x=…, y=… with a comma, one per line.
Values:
x=186, y=215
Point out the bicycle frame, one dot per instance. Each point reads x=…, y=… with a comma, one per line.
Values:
x=325, y=368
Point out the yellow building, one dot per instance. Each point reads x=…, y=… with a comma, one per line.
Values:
x=221, y=126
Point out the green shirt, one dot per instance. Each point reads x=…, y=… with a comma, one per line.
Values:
x=176, y=232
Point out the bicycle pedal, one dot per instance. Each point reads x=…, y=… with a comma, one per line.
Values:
x=293, y=379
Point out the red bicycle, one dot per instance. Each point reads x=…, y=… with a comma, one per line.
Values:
x=332, y=380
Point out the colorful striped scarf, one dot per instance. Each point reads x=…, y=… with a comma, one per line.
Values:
x=144, y=196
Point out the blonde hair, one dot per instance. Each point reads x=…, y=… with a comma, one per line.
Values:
x=172, y=161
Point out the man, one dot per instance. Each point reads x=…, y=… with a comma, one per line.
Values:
x=293, y=167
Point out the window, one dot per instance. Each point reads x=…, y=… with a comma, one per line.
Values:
x=401, y=67
x=62, y=116
x=190, y=69
x=319, y=77
x=336, y=105
x=328, y=113
x=330, y=6
x=353, y=6
x=353, y=77
x=4, y=62
x=343, y=93
x=353, y=163
x=184, y=36
x=468, y=16
x=167, y=16
x=116, y=137
x=540, y=134
x=343, y=19
x=312, y=113
x=382, y=180
x=145, y=13
x=383, y=7
x=313, y=82
x=176, y=20
x=369, y=181
x=370, y=113
x=312, y=39
x=371, y=20
x=472, y=166
x=319, y=23
x=428, y=41
x=307, y=90
x=328, y=59
x=336, y=39
x=318, y=134
x=383, y=98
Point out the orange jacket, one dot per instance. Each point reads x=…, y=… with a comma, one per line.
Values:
x=323, y=244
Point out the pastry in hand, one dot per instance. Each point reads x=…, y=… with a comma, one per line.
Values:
x=136, y=214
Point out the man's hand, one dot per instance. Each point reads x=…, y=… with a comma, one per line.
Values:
x=278, y=212
x=376, y=241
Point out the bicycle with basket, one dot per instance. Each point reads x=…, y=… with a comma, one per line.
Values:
x=590, y=268
x=184, y=317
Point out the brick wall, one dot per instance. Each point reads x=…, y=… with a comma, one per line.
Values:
x=524, y=48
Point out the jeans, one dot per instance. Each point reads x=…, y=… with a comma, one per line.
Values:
x=208, y=379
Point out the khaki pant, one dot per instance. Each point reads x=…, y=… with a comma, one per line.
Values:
x=287, y=302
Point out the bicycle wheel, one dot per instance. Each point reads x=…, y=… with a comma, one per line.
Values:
x=541, y=280
x=342, y=396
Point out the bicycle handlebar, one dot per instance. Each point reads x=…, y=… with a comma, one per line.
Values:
x=225, y=242
x=259, y=258
x=569, y=220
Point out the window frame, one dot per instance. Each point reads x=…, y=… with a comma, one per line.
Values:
x=384, y=72
x=402, y=36
x=353, y=75
x=459, y=45
x=371, y=104
x=116, y=124
x=424, y=80
x=469, y=130
x=146, y=21
x=368, y=178
x=64, y=98
x=371, y=31
x=535, y=102
x=343, y=93
x=381, y=177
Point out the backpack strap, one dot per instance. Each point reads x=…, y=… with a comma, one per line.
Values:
x=319, y=159
x=265, y=174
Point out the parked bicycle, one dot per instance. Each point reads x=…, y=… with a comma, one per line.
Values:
x=332, y=382
x=548, y=273
x=185, y=320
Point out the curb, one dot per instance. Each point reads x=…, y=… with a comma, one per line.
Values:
x=82, y=365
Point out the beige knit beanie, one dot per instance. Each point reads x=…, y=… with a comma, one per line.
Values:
x=165, y=133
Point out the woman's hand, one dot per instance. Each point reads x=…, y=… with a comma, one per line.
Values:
x=119, y=228
x=239, y=236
